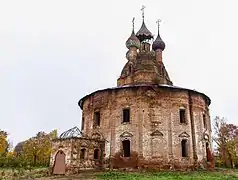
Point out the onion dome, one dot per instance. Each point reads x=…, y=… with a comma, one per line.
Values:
x=133, y=41
x=144, y=33
x=158, y=43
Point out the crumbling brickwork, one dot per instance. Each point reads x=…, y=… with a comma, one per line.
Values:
x=74, y=159
x=154, y=130
x=146, y=122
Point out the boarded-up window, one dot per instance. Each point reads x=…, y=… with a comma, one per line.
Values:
x=126, y=148
x=182, y=116
x=184, y=146
x=126, y=115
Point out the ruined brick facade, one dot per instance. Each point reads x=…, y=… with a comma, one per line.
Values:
x=146, y=121
x=79, y=153
x=154, y=130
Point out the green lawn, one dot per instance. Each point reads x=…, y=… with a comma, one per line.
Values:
x=197, y=175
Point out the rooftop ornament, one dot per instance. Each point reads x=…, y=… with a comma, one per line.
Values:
x=144, y=34
x=158, y=43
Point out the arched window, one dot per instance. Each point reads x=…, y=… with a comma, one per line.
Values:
x=126, y=148
x=184, y=148
x=83, y=153
x=96, y=154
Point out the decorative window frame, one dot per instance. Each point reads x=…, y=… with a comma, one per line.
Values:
x=184, y=136
x=125, y=136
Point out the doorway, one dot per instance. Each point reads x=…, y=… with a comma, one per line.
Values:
x=207, y=151
x=126, y=148
x=59, y=164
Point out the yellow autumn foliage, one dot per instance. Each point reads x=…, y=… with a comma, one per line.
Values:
x=3, y=142
x=37, y=150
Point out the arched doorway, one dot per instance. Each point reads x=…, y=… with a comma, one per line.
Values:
x=59, y=164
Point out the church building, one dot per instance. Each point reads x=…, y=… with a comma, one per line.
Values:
x=144, y=122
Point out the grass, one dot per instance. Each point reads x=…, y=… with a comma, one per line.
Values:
x=22, y=173
x=195, y=175
x=221, y=174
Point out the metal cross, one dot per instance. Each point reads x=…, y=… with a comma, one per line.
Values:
x=158, y=22
x=143, y=11
x=133, y=21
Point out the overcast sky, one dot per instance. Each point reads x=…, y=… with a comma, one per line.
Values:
x=52, y=53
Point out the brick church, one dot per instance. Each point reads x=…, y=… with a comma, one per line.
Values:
x=143, y=122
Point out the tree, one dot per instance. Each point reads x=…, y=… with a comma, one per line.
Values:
x=226, y=138
x=37, y=149
x=3, y=143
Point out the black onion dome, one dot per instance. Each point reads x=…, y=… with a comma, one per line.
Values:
x=133, y=41
x=158, y=43
x=144, y=33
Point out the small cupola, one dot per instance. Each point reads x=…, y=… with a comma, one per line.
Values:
x=133, y=41
x=144, y=33
x=158, y=43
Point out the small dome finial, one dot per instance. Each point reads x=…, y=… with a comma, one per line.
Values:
x=144, y=33
x=133, y=41
x=143, y=12
x=133, y=24
x=158, y=22
x=158, y=43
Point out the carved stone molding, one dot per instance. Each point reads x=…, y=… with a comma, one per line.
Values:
x=156, y=133
x=184, y=135
x=126, y=135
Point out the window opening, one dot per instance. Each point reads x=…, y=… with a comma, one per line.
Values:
x=97, y=118
x=130, y=69
x=82, y=125
x=184, y=148
x=207, y=151
x=182, y=115
x=96, y=154
x=126, y=115
x=126, y=148
x=82, y=153
x=204, y=121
